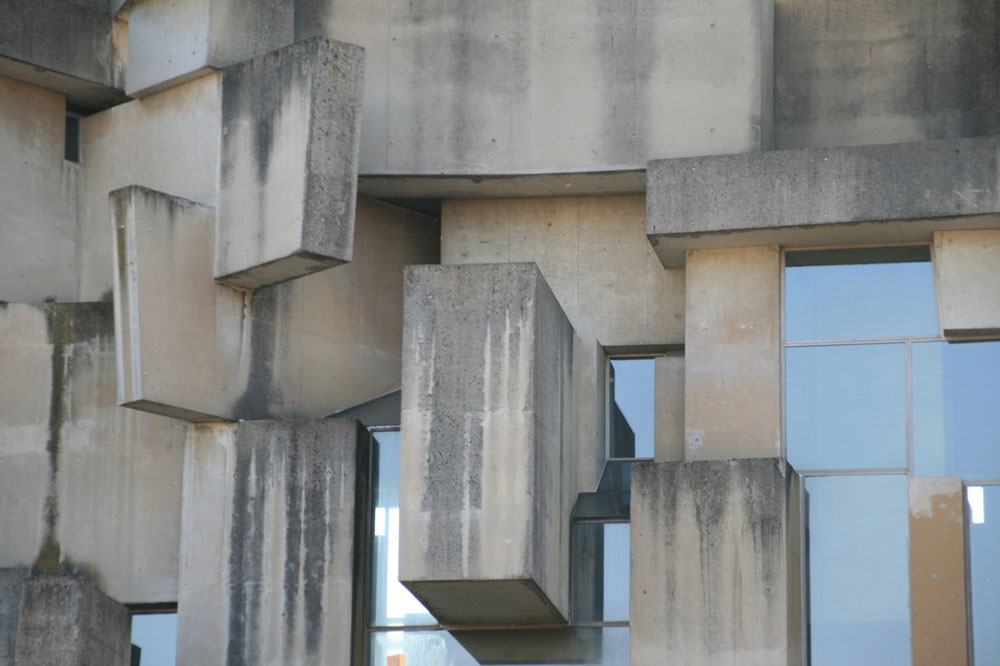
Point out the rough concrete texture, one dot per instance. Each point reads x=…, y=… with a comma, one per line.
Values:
x=172, y=41
x=709, y=565
x=68, y=47
x=84, y=485
x=291, y=123
x=791, y=196
x=881, y=71
x=968, y=283
x=66, y=621
x=194, y=349
x=486, y=472
x=938, y=573
x=473, y=86
x=267, y=573
x=11, y=584
x=732, y=373
x=38, y=195
x=669, y=423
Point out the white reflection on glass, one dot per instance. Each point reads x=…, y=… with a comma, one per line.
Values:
x=977, y=509
x=156, y=635
x=956, y=409
x=984, y=556
x=846, y=406
x=392, y=604
x=859, y=607
x=633, y=394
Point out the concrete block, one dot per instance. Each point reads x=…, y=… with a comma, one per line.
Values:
x=11, y=584
x=938, y=575
x=967, y=280
x=709, y=563
x=863, y=72
x=291, y=122
x=171, y=41
x=487, y=472
x=732, y=376
x=67, y=621
x=68, y=47
x=669, y=424
x=267, y=554
x=805, y=196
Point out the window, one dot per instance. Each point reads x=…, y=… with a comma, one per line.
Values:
x=631, y=407
x=154, y=637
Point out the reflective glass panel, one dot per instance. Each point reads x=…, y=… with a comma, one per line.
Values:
x=392, y=604
x=859, y=588
x=155, y=634
x=632, y=385
x=600, y=572
x=984, y=558
x=846, y=406
x=956, y=409
x=859, y=293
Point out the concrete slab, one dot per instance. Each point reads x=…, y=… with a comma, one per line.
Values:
x=819, y=196
x=291, y=122
x=968, y=283
x=487, y=474
x=669, y=424
x=268, y=548
x=709, y=563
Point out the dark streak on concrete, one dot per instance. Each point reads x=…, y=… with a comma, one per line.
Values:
x=293, y=538
x=261, y=392
x=318, y=477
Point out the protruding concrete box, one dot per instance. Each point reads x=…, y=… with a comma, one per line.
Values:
x=487, y=470
x=968, y=283
x=291, y=122
x=710, y=563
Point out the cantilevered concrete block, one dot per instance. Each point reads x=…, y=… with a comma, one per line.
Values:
x=66, y=621
x=267, y=549
x=291, y=123
x=487, y=461
x=967, y=276
x=710, y=565
x=805, y=197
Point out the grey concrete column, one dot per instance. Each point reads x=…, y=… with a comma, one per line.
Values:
x=967, y=279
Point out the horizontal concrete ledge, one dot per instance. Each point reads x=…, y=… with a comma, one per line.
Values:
x=459, y=603
x=174, y=412
x=628, y=180
x=80, y=92
x=872, y=194
x=293, y=266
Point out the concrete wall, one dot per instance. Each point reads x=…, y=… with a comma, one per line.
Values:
x=881, y=71
x=267, y=557
x=486, y=471
x=460, y=86
x=967, y=283
x=84, y=485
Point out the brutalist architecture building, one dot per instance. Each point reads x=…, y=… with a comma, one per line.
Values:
x=458, y=332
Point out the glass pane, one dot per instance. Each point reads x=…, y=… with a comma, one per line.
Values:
x=956, y=409
x=392, y=604
x=846, y=406
x=984, y=558
x=859, y=589
x=847, y=301
x=632, y=387
x=600, y=576
x=155, y=634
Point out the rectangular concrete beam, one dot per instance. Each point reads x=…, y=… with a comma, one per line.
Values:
x=822, y=196
x=967, y=280
x=487, y=472
x=710, y=566
x=291, y=122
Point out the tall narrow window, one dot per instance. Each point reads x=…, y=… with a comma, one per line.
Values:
x=631, y=407
x=154, y=638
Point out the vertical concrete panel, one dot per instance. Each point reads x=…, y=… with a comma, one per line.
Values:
x=732, y=382
x=938, y=603
x=669, y=420
x=709, y=563
x=11, y=584
x=967, y=281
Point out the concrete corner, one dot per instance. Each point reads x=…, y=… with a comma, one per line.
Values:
x=968, y=283
x=487, y=472
x=291, y=122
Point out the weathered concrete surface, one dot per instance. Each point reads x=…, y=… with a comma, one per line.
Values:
x=881, y=71
x=709, y=563
x=84, y=485
x=732, y=374
x=487, y=468
x=66, y=621
x=472, y=86
x=67, y=47
x=669, y=424
x=38, y=197
x=172, y=41
x=967, y=281
x=291, y=123
x=11, y=584
x=804, y=196
x=938, y=573
x=267, y=573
